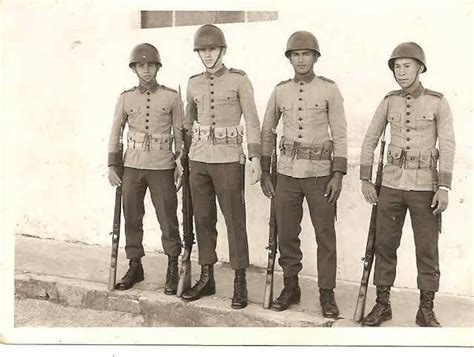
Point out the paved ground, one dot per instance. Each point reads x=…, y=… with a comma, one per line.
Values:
x=75, y=275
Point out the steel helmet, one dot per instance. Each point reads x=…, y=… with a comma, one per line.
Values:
x=302, y=40
x=209, y=36
x=408, y=50
x=144, y=52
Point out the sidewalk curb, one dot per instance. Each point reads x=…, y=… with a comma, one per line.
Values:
x=157, y=308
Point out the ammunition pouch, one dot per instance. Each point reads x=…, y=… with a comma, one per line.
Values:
x=231, y=135
x=412, y=159
x=301, y=151
x=138, y=140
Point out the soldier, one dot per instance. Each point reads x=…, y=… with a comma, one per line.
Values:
x=216, y=99
x=418, y=117
x=313, y=160
x=152, y=112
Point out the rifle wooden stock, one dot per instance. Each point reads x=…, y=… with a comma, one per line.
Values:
x=272, y=236
x=184, y=282
x=368, y=258
x=117, y=219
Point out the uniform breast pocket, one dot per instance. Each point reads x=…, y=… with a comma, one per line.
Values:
x=133, y=113
x=162, y=108
x=199, y=102
x=394, y=120
x=425, y=120
x=228, y=99
x=317, y=110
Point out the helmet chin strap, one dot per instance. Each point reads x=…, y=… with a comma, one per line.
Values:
x=217, y=59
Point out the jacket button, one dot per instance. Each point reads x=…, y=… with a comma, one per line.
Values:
x=408, y=130
x=147, y=114
x=213, y=123
x=300, y=108
x=212, y=84
x=301, y=128
x=300, y=119
x=212, y=92
x=408, y=139
x=300, y=136
x=212, y=78
x=212, y=107
x=408, y=113
x=407, y=121
x=147, y=93
x=300, y=99
x=146, y=127
x=213, y=116
x=301, y=83
x=301, y=91
x=146, y=120
x=408, y=97
x=148, y=99
x=408, y=148
x=408, y=106
x=212, y=100
x=148, y=107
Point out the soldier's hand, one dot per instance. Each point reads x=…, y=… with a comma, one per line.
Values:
x=334, y=187
x=114, y=178
x=255, y=170
x=440, y=201
x=266, y=184
x=369, y=192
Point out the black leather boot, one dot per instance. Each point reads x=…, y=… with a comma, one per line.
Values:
x=172, y=277
x=291, y=294
x=204, y=286
x=239, y=300
x=382, y=310
x=134, y=275
x=425, y=317
x=328, y=303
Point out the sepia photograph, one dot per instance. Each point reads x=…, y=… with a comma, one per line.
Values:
x=293, y=173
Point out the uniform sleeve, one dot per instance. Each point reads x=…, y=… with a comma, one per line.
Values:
x=338, y=126
x=191, y=114
x=371, y=139
x=252, y=124
x=447, y=144
x=177, y=117
x=270, y=122
x=114, y=157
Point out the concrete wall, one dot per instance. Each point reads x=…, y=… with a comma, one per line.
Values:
x=65, y=64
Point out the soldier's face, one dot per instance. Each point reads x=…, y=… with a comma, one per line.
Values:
x=406, y=71
x=146, y=71
x=303, y=61
x=209, y=56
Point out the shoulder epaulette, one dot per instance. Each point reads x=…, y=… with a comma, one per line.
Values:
x=198, y=74
x=326, y=79
x=168, y=88
x=283, y=82
x=393, y=92
x=239, y=71
x=432, y=92
x=128, y=90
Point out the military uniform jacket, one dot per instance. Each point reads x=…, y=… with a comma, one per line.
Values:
x=417, y=121
x=314, y=141
x=154, y=118
x=215, y=104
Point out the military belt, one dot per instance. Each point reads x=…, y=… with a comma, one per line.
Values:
x=302, y=151
x=412, y=159
x=218, y=135
x=138, y=140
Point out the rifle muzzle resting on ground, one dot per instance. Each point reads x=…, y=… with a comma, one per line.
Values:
x=117, y=218
x=272, y=235
x=368, y=258
x=184, y=282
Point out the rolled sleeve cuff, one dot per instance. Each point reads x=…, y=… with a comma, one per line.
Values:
x=255, y=150
x=265, y=163
x=115, y=159
x=339, y=164
x=444, y=179
x=365, y=172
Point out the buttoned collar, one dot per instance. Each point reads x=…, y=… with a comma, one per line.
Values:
x=219, y=73
x=308, y=77
x=150, y=87
x=415, y=92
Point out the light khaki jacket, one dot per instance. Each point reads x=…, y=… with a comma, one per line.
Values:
x=417, y=122
x=154, y=119
x=314, y=141
x=215, y=104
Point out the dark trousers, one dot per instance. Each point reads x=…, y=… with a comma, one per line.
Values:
x=163, y=195
x=224, y=181
x=289, y=196
x=391, y=212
